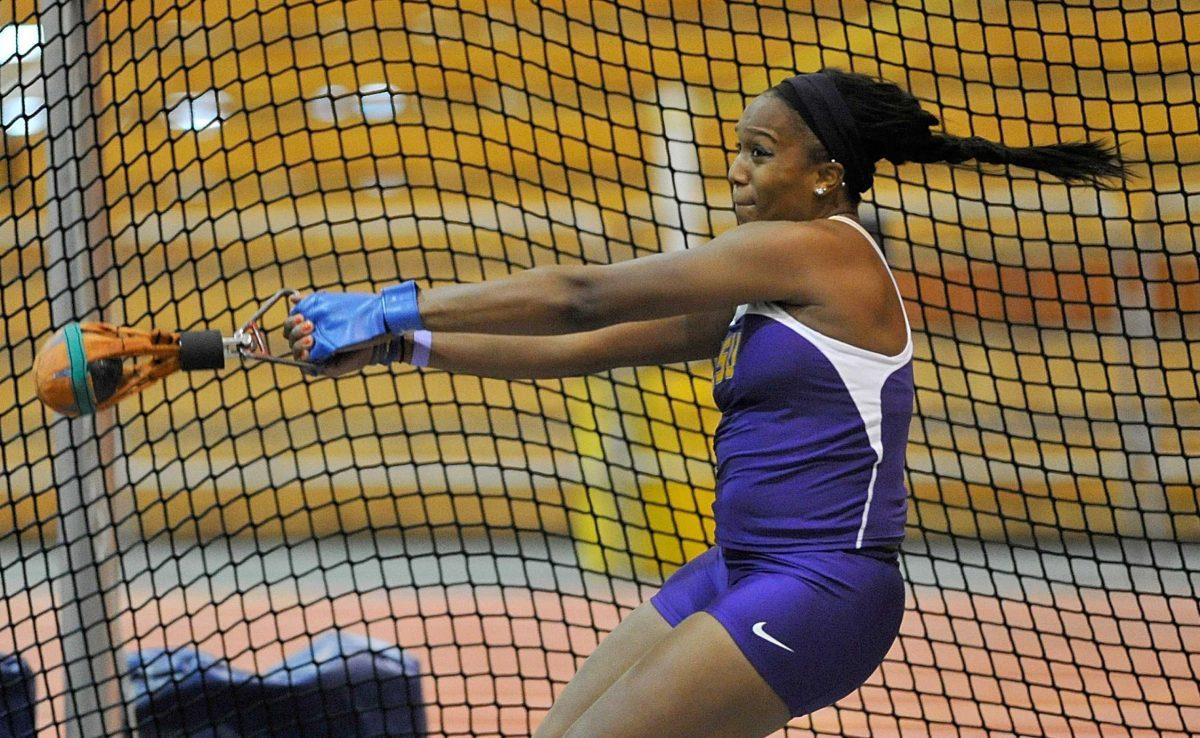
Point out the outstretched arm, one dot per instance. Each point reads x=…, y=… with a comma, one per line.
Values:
x=663, y=341
x=790, y=262
x=756, y=261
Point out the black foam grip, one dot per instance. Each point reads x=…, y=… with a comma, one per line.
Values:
x=201, y=350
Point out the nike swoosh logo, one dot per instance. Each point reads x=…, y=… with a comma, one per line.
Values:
x=761, y=633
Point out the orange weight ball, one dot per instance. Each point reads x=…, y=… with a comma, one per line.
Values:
x=86, y=367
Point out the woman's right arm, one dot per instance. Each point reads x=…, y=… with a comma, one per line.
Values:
x=663, y=341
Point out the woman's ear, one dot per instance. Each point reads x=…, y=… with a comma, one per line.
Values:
x=831, y=175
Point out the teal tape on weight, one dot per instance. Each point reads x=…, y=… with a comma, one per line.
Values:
x=79, y=372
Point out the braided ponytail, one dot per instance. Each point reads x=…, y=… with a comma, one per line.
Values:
x=893, y=126
x=1076, y=163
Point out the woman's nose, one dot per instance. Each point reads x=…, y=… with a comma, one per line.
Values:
x=739, y=172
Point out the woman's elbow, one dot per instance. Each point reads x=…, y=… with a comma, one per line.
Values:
x=581, y=305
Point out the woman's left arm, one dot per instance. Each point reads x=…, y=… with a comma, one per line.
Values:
x=762, y=261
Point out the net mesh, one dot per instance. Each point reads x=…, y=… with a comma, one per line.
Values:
x=495, y=530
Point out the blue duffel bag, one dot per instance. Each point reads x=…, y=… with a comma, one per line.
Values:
x=17, y=696
x=342, y=686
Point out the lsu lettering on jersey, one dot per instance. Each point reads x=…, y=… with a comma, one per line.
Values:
x=810, y=448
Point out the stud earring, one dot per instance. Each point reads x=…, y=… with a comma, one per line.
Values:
x=820, y=191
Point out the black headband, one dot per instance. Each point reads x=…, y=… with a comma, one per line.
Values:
x=817, y=100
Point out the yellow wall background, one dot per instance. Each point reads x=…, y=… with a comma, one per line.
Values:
x=1056, y=327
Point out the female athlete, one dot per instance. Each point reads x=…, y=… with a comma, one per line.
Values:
x=801, y=597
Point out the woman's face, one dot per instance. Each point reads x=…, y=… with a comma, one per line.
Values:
x=773, y=175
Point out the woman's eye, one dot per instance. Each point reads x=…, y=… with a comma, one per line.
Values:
x=755, y=151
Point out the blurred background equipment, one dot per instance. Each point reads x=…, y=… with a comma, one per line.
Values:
x=341, y=686
x=18, y=694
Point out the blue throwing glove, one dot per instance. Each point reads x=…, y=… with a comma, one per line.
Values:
x=342, y=320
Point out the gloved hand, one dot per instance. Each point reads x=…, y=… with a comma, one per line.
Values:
x=388, y=350
x=345, y=321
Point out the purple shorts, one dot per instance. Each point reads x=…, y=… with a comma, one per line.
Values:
x=814, y=624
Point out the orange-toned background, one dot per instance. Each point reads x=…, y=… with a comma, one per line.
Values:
x=527, y=135
x=1033, y=658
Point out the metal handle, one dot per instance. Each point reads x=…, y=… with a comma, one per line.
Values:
x=250, y=342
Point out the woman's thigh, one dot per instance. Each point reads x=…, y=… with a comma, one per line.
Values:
x=782, y=641
x=693, y=682
x=815, y=630
x=636, y=634
x=688, y=590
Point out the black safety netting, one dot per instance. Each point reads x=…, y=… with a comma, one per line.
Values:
x=410, y=552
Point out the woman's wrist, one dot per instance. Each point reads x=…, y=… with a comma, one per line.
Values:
x=390, y=351
x=401, y=311
x=418, y=347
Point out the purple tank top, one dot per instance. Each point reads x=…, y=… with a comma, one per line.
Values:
x=810, y=447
